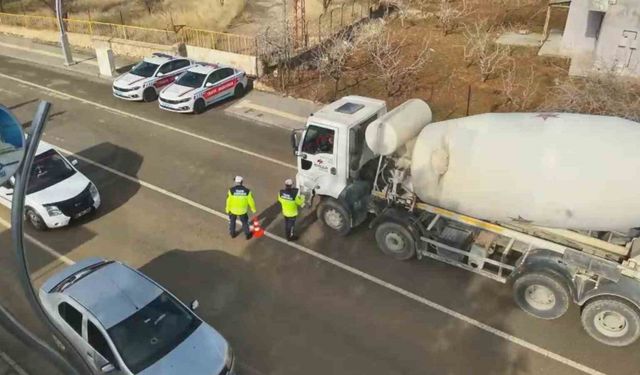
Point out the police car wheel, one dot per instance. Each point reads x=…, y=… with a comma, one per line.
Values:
x=199, y=106
x=149, y=95
x=239, y=91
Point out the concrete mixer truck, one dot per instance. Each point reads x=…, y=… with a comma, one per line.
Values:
x=547, y=203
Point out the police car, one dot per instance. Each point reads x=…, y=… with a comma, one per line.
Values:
x=202, y=85
x=149, y=76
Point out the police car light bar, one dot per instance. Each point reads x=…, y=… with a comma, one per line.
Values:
x=160, y=54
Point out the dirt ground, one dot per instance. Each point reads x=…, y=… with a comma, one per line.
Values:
x=446, y=80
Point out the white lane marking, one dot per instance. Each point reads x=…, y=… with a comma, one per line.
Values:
x=250, y=105
x=476, y=323
x=152, y=122
x=46, y=248
x=15, y=366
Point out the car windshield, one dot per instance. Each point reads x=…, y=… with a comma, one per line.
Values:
x=48, y=169
x=144, y=69
x=153, y=331
x=191, y=79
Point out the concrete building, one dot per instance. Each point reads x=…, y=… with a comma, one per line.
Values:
x=603, y=35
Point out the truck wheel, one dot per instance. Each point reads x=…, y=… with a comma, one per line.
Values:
x=149, y=94
x=333, y=214
x=611, y=321
x=543, y=295
x=199, y=106
x=35, y=220
x=395, y=241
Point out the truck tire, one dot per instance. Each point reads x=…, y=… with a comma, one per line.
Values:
x=611, y=321
x=395, y=241
x=149, y=94
x=335, y=216
x=35, y=220
x=543, y=295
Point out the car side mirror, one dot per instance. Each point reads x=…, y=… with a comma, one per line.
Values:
x=208, y=84
x=74, y=162
x=108, y=368
x=12, y=181
x=160, y=74
x=195, y=304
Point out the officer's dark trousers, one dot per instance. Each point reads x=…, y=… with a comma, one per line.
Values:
x=244, y=219
x=289, y=224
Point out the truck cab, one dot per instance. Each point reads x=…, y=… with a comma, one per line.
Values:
x=331, y=154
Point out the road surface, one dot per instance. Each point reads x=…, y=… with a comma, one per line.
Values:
x=326, y=305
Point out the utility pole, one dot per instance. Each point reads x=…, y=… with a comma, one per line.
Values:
x=64, y=40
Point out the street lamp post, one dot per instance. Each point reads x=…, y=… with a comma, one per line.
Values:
x=64, y=40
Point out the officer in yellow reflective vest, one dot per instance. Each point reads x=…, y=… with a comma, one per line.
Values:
x=290, y=200
x=239, y=201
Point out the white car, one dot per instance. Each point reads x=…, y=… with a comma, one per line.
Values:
x=202, y=85
x=149, y=76
x=57, y=193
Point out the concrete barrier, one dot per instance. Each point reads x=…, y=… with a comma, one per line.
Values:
x=245, y=62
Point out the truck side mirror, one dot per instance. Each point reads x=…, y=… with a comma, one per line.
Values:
x=296, y=136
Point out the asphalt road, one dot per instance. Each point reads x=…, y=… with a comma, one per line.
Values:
x=329, y=306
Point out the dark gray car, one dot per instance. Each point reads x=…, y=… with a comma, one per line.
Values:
x=125, y=323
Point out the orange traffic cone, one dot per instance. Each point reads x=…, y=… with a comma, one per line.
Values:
x=256, y=229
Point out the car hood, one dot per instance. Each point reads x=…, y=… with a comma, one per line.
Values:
x=63, y=190
x=127, y=80
x=202, y=353
x=176, y=91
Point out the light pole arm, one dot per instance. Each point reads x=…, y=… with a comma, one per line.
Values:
x=17, y=230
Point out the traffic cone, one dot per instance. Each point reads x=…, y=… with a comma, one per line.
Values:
x=256, y=229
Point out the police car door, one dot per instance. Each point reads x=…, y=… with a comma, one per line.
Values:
x=227, y=83
x=164, y=75
x=318, y=159
x=212, y=89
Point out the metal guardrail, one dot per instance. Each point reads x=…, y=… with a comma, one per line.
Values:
x=196, y=37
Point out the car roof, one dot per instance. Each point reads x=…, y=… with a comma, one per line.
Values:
x=204, y=68
x=161, y=58
x=113, y=292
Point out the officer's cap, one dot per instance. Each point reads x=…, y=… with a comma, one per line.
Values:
x=238, y=179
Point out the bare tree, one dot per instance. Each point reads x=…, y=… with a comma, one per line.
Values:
x=332, y=59
x=150, y=4
x=450, y=16
x=481, y=50
x=602, y=94
x=519, y=94
x=275, y=49
x=392, y=67
x=325, y=5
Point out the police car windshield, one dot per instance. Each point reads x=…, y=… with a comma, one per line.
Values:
x=144, y=69
x=191, y=79
x=48, y=169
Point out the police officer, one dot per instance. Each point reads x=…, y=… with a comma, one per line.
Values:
x=290, y=200
x=239, y=200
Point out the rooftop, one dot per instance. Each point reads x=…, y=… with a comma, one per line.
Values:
x=350, y=110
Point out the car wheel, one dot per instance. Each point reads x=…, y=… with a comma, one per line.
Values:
x=334, y=215
x=395, y=241
x=35, y=220
x=199, y=106
x=611, y=321
x=149, y=95
x=543, y=295
x=239, y=91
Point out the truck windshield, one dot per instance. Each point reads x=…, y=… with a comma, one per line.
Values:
x=318, y=140
x=191, y=79
x=144, y=69
x=49, y=168
x=152, y=332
